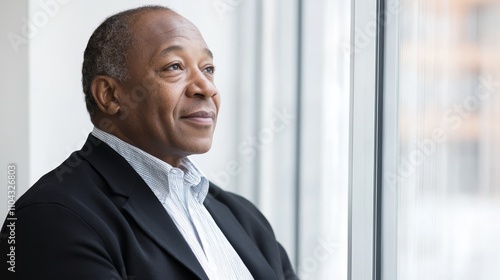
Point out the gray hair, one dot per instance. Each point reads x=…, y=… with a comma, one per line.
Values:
x=106, y=51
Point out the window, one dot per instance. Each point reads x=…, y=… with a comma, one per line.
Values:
x=441, y=186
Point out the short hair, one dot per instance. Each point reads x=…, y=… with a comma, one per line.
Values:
x=106, y=51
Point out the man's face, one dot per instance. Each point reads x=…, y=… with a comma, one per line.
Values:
x=172, y=103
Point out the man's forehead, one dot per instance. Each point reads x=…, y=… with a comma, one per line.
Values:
x=153, y=25
x=163, y=20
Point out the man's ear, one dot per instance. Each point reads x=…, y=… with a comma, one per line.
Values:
x=106, y=93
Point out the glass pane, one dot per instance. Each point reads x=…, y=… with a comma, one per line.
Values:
x=448, y=186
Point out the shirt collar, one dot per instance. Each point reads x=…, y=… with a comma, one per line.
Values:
x=153, y=170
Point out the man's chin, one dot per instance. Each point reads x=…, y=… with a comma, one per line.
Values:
x=201, y=148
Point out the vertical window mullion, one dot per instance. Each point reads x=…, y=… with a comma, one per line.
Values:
x=390, y=142
x=364, y=142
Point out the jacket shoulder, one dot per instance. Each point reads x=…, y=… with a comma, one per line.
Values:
x=62, y=183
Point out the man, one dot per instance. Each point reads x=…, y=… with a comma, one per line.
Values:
x=130, y=204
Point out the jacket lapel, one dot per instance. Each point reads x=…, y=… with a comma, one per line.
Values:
x=239, y=239
x=145, y=208
x=142, y=204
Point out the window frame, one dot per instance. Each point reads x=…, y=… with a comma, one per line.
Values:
x=366, y=139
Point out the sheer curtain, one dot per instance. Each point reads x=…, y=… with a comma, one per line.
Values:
x=293, y=126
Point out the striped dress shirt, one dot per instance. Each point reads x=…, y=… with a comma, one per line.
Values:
x=182, y=190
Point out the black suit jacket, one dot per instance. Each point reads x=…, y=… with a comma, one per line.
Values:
x=94, y=217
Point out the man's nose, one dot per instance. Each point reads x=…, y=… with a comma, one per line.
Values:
x=200, y=85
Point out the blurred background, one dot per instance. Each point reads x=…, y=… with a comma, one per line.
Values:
x=449, y=134
x=285, y=75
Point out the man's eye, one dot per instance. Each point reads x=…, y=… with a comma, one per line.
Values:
x=173, y=67
x=210, y=69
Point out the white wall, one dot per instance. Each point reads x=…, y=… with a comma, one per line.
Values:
x=14, y=130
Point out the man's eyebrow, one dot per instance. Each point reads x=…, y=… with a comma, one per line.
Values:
x=175, y=48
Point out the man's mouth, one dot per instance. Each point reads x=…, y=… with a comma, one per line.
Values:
x=202, y=117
